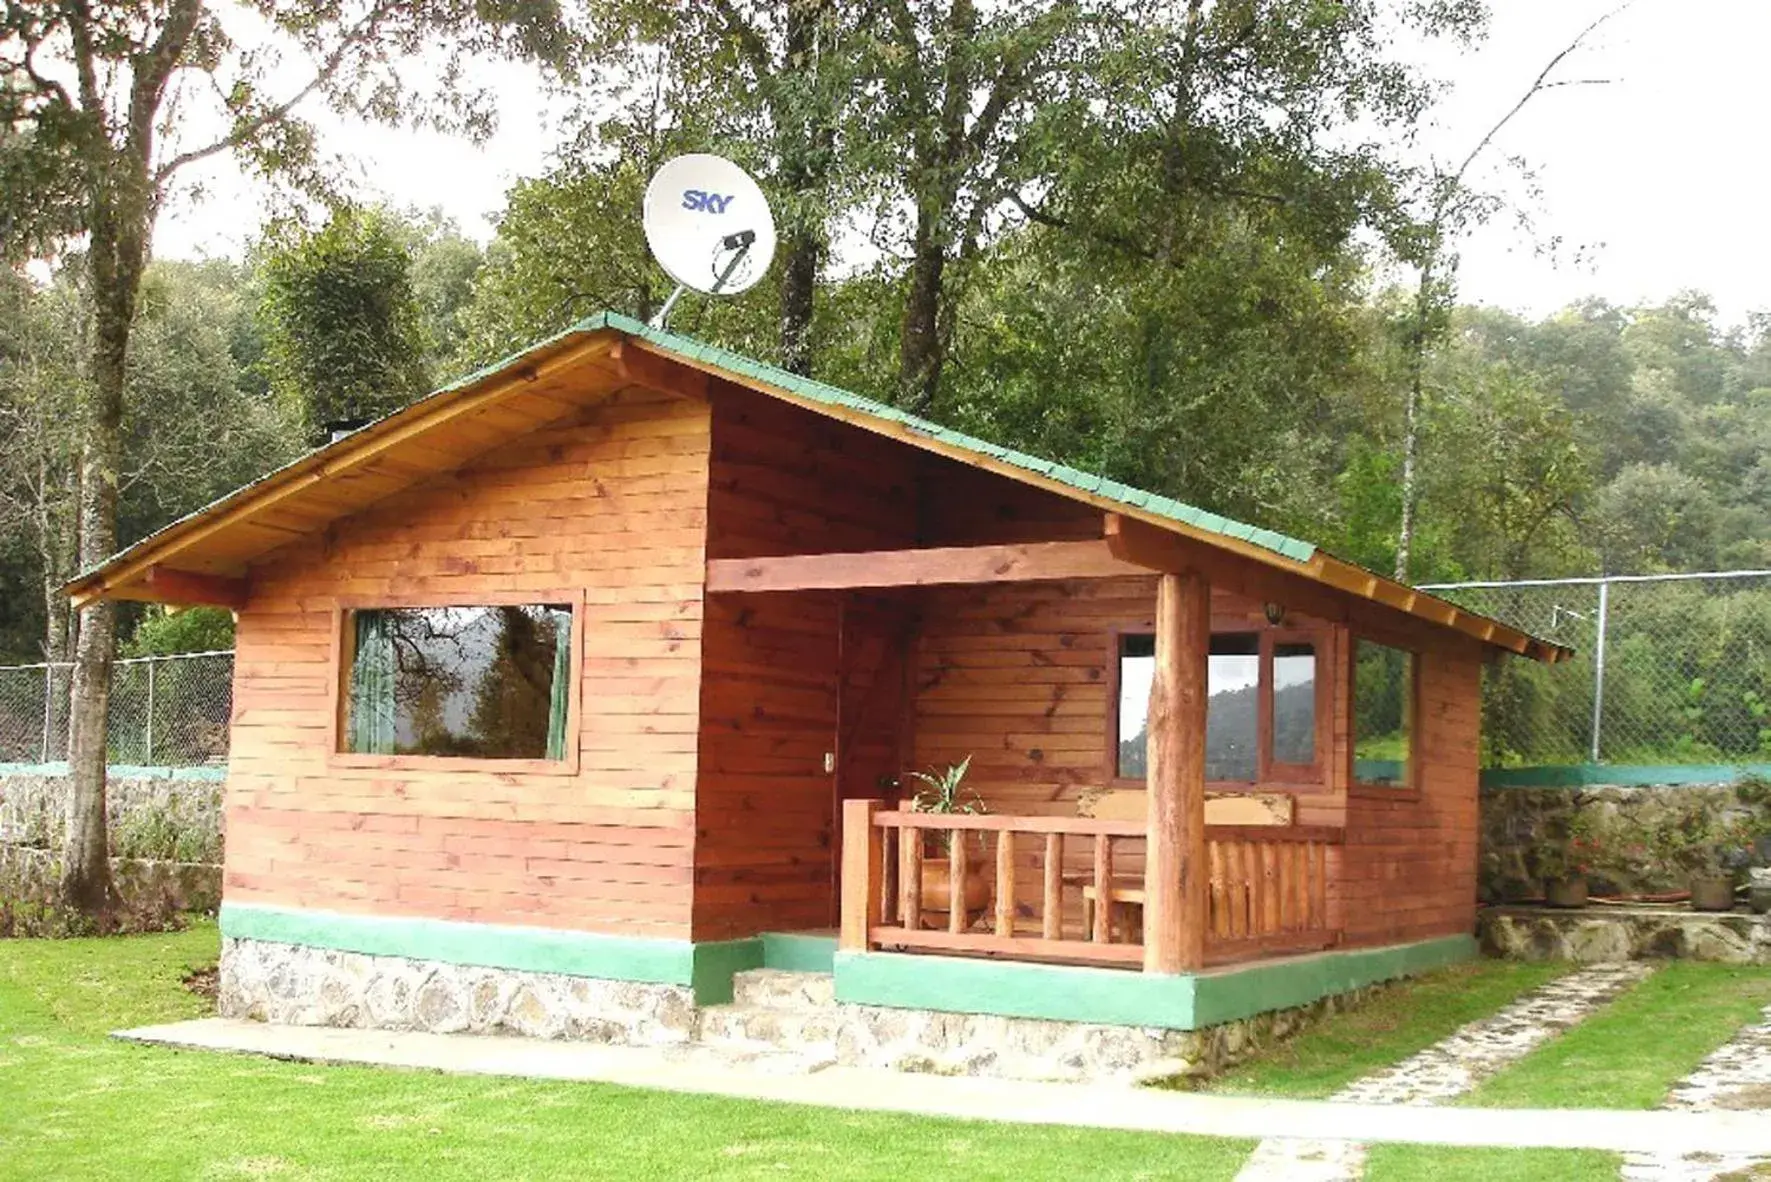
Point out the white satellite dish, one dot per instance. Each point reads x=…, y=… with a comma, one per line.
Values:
x=709, y=227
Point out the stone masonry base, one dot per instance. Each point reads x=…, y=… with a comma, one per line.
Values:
x=780, y=1014
x=301, y=986
x=1598, y=934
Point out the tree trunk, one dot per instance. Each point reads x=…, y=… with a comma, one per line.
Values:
x=919, y=348
x=805, y=139
x=119, y=219
x=1411, y=399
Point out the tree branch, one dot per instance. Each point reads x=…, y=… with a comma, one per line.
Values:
x=749, y=40
x=244, y=132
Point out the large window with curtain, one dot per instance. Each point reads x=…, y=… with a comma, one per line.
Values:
x=478, y=682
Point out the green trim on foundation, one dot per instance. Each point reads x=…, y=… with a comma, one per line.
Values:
x=797, y=952
x=715, y=963
x=1225, y=995
x=1120, y=997
x=706, y=968
x=1584, y=775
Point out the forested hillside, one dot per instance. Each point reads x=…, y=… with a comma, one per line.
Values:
x=1161, y=247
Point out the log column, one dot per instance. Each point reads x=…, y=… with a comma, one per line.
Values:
x=1175, y=886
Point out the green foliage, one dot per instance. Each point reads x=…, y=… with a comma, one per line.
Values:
x=343, y=327
x=164, y=833
x=944, y=791
x=163, y=630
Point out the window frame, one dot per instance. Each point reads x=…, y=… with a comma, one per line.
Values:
x=343, y=641
x=1269, y=773
x=1409, y=789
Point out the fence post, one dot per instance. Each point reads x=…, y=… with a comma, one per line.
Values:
x=149, y=760
x=48, y=705
x=1599, y=664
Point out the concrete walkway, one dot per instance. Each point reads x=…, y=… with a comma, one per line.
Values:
x=1098, y=1106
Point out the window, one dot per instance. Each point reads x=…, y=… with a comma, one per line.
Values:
x=489, y=682
x=1232, y=712
x=1383, y=714
x=1294, y=704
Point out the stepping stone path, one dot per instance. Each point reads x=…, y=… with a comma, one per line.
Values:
x=1447, y=1069
x=1737, y=1075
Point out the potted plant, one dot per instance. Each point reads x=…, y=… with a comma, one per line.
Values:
x=1565, y=864
x=945, y=792
x=1705, y=851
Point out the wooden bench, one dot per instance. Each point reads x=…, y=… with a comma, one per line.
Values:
x=1125, y=899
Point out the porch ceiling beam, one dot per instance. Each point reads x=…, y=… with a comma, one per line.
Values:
x=936, y=566
x=166, y=584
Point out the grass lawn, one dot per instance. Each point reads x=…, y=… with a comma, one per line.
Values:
x=1402, y=1020
x=1410, y=1163
x=1630, y=1054
x=74, y=1103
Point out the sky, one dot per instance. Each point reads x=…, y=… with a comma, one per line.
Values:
x=1645, y=186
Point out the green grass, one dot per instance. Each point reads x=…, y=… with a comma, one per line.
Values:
x=1411, y=1163
x=74, y=1103
x=1405, y=1018
x=1631, y=1053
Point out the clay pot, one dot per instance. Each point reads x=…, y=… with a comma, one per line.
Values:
x=937, y=892
x=1712, y=893
x=1566, y=892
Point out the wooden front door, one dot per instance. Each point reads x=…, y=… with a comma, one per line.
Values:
x=875, y=642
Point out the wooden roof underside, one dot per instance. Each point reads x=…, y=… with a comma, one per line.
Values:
x=204, y=557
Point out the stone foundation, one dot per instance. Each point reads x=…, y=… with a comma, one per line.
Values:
x=1032, y=1048
x=1593, y=935
x=789, y=1016
x=301, y=986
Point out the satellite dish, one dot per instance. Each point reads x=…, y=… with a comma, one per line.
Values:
x=709, y=226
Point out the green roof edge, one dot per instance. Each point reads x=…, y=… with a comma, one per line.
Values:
x=1085, y=482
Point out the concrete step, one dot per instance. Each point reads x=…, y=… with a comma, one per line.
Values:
x=783, y=990
x=762, y=1027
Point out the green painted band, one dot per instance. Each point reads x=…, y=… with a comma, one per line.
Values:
x=707, y=968
x=1583, y=775
x=1120, y=997
x=796, y=952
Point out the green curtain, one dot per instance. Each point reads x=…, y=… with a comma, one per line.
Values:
x=371, y=711
x=562, y=683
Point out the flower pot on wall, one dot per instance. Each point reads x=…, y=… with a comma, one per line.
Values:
x=937, y=893
x=1712, y=893
x=1566, y=892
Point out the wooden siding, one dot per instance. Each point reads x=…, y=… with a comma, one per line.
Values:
x=1409, y=864
x=782, y=481
x=609, y=503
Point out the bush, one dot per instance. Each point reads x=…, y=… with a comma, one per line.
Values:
x=22, y=919
x=163, y=834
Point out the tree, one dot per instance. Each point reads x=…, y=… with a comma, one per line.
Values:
x=1654, y=517
x=768, y=81
x=90, y=96
x=1451, y=207
x=343, y=327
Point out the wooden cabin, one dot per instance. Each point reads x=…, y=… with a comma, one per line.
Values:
x=622, y=649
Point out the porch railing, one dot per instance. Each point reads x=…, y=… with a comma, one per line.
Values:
x=1269, y=887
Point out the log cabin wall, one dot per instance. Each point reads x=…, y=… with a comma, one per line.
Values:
x=1409, y=863
x=611, y=503
x=783, y=481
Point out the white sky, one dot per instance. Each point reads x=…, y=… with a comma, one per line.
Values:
x=1653, y=183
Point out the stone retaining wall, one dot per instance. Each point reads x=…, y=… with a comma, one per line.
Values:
x=1595, y=936
x=156, y=809
x=34, y=874
x=1516, y=822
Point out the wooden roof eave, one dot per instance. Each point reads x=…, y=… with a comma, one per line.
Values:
x=126, y=574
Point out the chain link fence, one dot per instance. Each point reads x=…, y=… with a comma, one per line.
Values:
x=169, y=711
x=1668, y=669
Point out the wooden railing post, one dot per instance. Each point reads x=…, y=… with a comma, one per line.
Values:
x=862, y=869
x=1176, y=890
